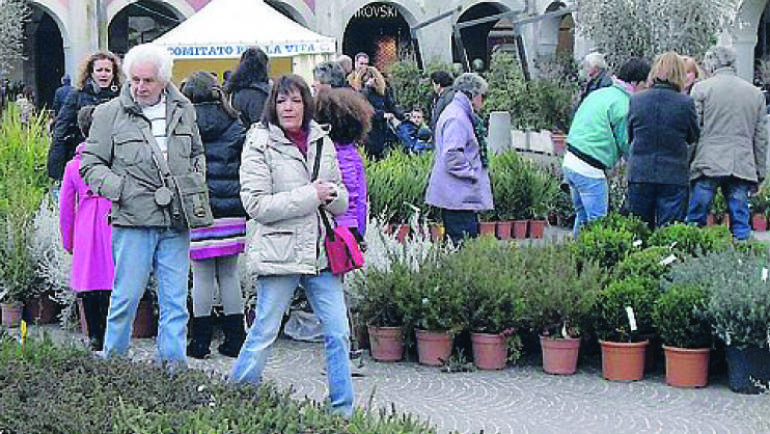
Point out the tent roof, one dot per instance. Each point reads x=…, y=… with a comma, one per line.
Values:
x=225, y=28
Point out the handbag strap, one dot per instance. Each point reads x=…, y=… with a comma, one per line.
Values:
x=316, y=166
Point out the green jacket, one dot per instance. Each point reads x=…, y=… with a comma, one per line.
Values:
x=599, y=127
x=118, y=159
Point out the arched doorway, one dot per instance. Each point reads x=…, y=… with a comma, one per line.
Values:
x=476, y=39
x=381, y=31
x=138, y=23
x=44, y=56
x=284, y=10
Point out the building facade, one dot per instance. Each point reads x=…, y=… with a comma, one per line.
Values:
x=61, y=33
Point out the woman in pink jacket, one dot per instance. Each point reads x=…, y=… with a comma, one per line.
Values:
x=86, y=235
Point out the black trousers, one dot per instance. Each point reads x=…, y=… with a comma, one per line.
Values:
x=96, y=304
x=459, y=224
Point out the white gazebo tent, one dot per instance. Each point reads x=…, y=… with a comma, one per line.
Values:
x=214, y=38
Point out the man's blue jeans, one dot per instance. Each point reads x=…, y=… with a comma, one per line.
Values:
x=590, y=196
x=138, y=251
x=736, y=193
x=324, y=292
x=658, y=204
x=459, y=225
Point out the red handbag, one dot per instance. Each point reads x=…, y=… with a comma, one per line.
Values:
x=342, y=249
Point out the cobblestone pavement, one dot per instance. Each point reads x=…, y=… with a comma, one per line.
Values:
x=519, y=399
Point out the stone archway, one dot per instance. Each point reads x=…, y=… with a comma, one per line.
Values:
x=43, y=66
x=476, y=39
x=381, y=30
x=298, y=11
x=140, y=22
x=744, y=35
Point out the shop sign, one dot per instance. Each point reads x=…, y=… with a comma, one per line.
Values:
x=235, y=50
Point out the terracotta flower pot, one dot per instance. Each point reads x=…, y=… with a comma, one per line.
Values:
x=489, y=350
x=402, y=232
x=433, y=347
x=711, y=220
x=487, y=228
x=503, y=230
x=560, y=355
x=759, y=222
x=520, y=229
x=11, y=314
x=558, y=142
x=42, y=310
x=687, y=367
x=387, y=344
x=145, y=323
x=623, y=361
x=536, y=228
x=436, y=232
x=726, y=220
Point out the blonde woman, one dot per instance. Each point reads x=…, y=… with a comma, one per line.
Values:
x=661, y=125
x=693, y=73
x=380, y=96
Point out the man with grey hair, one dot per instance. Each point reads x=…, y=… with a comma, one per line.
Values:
x=596, y=74
x=328, y=75
x=346, y=63
x=145, y=155
x=459, y=181
x=732, y=151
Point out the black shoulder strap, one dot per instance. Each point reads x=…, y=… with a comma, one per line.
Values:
x=317, y=163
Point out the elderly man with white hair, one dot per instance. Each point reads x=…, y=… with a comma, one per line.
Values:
x=732, y=150
x=597, y=75
x=144, y=154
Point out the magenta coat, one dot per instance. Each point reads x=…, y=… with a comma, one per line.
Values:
x=354, y=178
x=85, y=231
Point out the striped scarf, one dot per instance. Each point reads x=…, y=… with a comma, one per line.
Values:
x=480, y=131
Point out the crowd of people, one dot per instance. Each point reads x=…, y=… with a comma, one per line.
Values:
x=684, y=134
x=162, y=181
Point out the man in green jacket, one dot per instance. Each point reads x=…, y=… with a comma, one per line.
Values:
x=597, y=139
x=139, y=145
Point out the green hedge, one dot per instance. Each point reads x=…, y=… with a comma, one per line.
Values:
x=52, y=389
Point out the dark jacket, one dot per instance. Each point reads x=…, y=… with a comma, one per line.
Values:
x=378, y=134
x=60, y=96
x=250, y=101
x=661, y=125
x=439, y=104
x=119, y=164
x=66, y=134
x=222, y=138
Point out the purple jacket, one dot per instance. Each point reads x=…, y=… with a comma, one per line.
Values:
x=458, y=181
x=352, y=169
x=85, y=230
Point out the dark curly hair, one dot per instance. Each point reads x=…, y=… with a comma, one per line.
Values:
x=346, y=111
x=251, y=69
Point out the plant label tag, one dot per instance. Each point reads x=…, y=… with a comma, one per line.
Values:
x=668, y=260
x=764, y=274
x=671, y=247
x=637, y=243
x=631, y=318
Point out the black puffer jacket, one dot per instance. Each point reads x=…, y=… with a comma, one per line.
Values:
x=222, y=138
x=379, y=136
x=250, y=101
x=66, y=134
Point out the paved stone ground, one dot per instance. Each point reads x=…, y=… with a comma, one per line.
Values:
x=519, y=399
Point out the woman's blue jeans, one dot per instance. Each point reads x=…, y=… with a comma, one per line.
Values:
x=324, y=292
x=736, y=193
x=138, y=251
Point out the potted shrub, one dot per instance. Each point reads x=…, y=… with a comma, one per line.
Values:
x=381, y=302
x=23, y=182
x=439, y=312
x=759, y=207
x=622, y=332
x=559, y=297
x=543, y=189
x=490, y=272
x=680, y=320
x=509, y=190
x=610, y=239
x=738, y=310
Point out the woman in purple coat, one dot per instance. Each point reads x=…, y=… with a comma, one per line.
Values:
x=86, y=235
x=349, y=116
